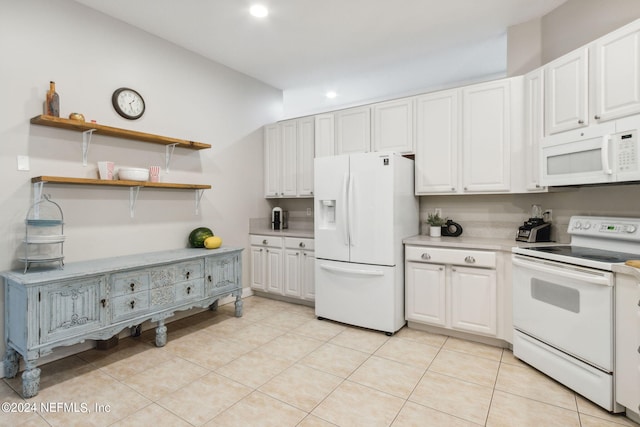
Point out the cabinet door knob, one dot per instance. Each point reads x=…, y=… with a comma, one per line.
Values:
x=597, y=117
x=301, y=244
x=470, y=259
x=209, y=278
x=188, y=290
x=103, y=302
x=133, y=286
x=425, y=256
x=133, y=304
x=580, y=122
x=188, y=274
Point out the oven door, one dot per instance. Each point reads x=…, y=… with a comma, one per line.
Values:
x=567, y=307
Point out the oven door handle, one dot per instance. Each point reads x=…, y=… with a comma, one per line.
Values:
x=593, y=278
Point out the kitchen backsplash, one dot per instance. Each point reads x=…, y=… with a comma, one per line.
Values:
x=500, y=215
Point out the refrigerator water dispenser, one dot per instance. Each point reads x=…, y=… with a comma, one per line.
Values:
x=327, y=213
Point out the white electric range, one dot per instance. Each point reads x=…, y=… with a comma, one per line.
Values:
x=563, y=304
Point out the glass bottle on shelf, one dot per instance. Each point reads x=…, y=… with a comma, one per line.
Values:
x=52, y=102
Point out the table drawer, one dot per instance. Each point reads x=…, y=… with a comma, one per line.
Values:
x=190, y=270
x=130, y=282
x=468, y=257
x=126, y=306
x=189, y=290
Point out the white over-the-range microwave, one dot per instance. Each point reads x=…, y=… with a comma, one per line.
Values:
x=604, y=153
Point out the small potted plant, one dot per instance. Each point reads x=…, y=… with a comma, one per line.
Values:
x=435, y=224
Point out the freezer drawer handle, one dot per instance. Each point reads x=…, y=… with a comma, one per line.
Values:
x=352, y=270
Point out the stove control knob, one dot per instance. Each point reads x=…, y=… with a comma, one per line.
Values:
x=587, y=226
x=577, y=225
x=631, y=229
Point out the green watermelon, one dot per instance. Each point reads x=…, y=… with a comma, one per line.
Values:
x=198, y=236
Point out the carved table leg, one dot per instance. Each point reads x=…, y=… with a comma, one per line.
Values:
x=161, y=334
x=214, y=305
x=238, y=305
x=11, y=363
x=30, y=380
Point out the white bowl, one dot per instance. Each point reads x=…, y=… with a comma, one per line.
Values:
x=133, y=174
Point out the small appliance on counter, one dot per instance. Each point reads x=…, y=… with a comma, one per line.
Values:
x=452, y=229
x=279, y=219
x=535, y=229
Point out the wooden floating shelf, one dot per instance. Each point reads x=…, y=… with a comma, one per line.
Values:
x=116, y=183
x=78, y=126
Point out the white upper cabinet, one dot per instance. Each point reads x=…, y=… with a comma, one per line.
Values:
x=325, y=136
x=305, y=154
x=353, y=130
x=437, y=137
x=289, y=140
x=566, y=92
x=533, y=128
x=486, y=129
x=272, y=158
x=393, y=126
x=594, y=83
x=288, y=151
x=615, y=84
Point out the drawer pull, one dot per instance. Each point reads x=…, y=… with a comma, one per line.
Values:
x=425, y=256
x=132, y=304
x=103, y=302
x=209, y=278
x=188, y=274
x=264, y=242
x=301, y=244
x=188, y=290
x=133, y=286
x=469, y=259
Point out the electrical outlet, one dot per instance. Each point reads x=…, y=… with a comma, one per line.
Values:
x=308, y=211
x=549, y=215
x=438, y=211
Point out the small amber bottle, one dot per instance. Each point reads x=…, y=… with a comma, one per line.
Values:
x=52, y=103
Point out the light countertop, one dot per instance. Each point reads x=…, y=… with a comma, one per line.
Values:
x=504, y=245
x=289, y=232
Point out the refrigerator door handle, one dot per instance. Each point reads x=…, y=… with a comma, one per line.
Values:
x=357, y=271
x=345, y=196
x=351, y=208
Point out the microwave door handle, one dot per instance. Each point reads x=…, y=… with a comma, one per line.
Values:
x=606, y=166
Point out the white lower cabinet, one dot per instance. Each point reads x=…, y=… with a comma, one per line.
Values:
x=627, y=339
x=452, y=288
x=283, y=266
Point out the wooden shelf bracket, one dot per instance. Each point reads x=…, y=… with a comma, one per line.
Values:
x=86, y=141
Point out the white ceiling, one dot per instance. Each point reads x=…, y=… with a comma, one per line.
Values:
x=307, y=46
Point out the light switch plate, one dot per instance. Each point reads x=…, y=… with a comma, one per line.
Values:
x=23, y=163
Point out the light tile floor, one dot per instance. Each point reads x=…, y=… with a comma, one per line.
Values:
x=279, y=366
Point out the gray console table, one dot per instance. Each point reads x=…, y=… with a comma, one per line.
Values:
x=97, y=299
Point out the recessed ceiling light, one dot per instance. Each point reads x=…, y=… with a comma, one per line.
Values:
x=331, y=94
x=259, y=11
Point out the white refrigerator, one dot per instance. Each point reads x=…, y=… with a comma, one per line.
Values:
x=364, y=206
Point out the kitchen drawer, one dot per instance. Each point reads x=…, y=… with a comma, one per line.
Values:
x=258, y=240
x=298, y=243
x=468, y=257
x=129, y=282
x=126, y=306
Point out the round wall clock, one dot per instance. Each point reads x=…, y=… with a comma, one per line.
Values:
x=128, y=103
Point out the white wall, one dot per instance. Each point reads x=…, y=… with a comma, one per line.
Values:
x=89, y=55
